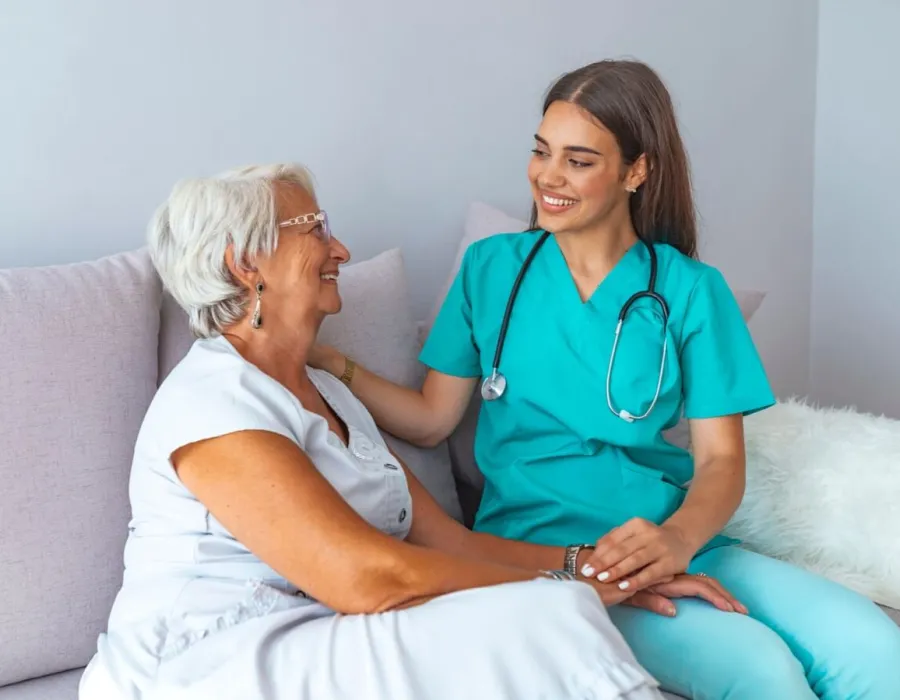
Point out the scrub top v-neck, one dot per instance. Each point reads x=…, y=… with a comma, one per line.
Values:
x=559, y=466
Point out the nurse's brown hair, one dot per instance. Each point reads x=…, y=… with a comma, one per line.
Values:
x=630, y=100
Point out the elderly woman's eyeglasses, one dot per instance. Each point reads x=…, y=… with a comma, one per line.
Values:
x=323, y=231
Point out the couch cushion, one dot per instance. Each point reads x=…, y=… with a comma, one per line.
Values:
x=482, y=221
x=59, y=686
x=175, y=336
x=78, y=365
x=376, y=326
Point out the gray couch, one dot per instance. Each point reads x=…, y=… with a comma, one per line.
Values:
x=83, y=349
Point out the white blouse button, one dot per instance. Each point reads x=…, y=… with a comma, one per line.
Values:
x=365, y=449
x=402, y=515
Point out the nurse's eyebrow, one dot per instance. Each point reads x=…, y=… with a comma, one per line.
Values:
x=573, y=149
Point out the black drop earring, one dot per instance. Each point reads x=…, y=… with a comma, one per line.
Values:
x=256, y=321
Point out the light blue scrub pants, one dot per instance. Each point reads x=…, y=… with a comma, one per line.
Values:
x=805, y=637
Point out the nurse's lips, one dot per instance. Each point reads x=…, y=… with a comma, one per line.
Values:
x=556, y=204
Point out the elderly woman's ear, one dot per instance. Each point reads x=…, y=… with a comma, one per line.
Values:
x=244, y=273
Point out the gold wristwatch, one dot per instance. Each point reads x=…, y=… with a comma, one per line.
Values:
x=349, y=368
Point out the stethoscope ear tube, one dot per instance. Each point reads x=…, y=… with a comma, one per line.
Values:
x=494, y=386
x=504, y=325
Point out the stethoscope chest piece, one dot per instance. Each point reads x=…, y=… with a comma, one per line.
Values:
x=493, y=387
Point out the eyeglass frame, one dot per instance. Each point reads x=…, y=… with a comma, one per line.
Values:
x=316, y=217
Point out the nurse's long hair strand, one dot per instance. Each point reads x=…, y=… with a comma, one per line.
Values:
x=632, y=102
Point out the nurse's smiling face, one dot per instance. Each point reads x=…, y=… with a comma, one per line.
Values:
x=577, y=174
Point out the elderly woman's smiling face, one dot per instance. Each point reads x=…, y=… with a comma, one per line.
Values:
x=301, y=277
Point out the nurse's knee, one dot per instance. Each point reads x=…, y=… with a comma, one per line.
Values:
x=766, y=669
x=866, y=664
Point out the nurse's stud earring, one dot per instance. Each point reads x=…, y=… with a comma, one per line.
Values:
x=631, y=190
x=256, y=321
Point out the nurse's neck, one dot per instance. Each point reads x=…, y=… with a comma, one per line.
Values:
x=592, y=253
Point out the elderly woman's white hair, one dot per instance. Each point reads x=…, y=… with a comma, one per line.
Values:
x=191, y=230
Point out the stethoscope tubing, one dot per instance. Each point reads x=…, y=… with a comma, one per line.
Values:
x=494, y=386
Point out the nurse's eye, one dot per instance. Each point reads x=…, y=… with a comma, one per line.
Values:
x=580, y=163
x=539, y=153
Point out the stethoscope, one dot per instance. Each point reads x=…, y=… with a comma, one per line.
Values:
x=494, y=386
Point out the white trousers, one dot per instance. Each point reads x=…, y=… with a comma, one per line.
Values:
x=538, y=640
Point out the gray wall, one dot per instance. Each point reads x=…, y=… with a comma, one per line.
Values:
x=406, y=111
x=856, y=309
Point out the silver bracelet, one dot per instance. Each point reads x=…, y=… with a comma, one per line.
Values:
x=558, y=575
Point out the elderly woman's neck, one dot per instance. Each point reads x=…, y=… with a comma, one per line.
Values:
x=282, y=355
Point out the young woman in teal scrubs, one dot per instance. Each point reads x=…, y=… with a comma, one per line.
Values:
x=609, y=178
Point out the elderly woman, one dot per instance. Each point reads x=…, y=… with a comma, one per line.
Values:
x=278, y=549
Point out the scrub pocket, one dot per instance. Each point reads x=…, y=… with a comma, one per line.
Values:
x=648, y=494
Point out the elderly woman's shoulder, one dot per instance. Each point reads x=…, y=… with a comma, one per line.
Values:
x=208, y=361
x=213, y=380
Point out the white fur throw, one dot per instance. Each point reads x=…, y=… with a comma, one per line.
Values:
x=823, y=492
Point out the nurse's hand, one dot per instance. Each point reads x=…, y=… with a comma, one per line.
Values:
x=326, y=358
x=639, y=554
x=658, y=598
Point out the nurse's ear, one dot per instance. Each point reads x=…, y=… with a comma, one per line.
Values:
x=636, y=175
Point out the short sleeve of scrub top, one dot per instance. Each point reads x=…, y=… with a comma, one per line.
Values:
x=451, y=348
x=723, y=373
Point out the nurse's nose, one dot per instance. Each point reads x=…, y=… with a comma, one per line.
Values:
x=551, y=176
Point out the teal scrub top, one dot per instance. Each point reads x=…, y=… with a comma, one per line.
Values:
x=560, y=468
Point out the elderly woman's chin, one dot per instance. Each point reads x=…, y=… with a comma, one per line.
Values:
x=330, y=301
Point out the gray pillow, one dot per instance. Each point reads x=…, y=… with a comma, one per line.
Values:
x=79, y=349
x=376, y=327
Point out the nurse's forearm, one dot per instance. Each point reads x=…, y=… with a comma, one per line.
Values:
x=712, y=498
x=423, y=417
x=397, y=409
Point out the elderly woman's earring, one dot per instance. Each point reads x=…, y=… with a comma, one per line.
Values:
x=256, y=321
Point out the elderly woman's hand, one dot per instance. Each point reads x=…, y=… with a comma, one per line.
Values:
x=657, y=598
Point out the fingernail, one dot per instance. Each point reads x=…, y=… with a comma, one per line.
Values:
x=670, y=611
x=743, y=609
x=624, y=586
x=603, y=576
x=587, y=571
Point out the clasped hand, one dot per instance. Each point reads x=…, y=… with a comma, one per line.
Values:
x=650, y=561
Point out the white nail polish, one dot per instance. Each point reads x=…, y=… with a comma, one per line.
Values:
x=603, y=576
x=623, y=586
x=587, y=571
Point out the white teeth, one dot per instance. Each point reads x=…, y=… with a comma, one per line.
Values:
x=332, y=278
x=558, y=202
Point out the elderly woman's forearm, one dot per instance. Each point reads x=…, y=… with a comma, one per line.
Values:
x=262, y=487
x=422, y=574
